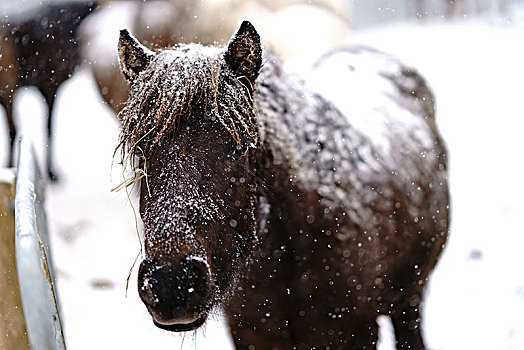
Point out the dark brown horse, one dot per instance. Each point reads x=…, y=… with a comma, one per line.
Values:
x=40, y=51
x=260, y=196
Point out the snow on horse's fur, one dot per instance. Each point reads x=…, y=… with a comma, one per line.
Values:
x=263, y=197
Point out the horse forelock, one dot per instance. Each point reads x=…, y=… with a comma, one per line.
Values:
x=182, y=82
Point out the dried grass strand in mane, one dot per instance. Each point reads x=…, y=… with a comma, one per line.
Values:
x=185, y=82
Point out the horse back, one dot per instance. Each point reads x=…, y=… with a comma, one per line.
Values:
x=47, y=43
x=392, y=110
x=362, y=148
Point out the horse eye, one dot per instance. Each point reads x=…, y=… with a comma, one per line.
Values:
x=234, y=150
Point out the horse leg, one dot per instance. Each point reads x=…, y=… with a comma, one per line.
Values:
x=8, y=84
x=420, y=9
x=50, y=95
x=8, y=106
x=408, y=325
x=249, y=325
x=452, y=7
x=365, y=336
x=504, y=7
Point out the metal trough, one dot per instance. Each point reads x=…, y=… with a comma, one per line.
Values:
x=33, y=257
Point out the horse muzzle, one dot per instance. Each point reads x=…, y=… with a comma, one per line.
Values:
x=178, y=295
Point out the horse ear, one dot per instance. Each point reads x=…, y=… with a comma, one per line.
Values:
x=244, y=52
x=133, y=56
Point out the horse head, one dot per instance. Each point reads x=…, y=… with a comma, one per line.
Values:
x=189, y=126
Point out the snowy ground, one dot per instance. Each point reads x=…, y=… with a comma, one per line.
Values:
x=476, y=296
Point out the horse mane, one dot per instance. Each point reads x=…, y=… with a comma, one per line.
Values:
x=185, y=82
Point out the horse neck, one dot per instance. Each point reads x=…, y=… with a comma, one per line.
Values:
x=299, y=151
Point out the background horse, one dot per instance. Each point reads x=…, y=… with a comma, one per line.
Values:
x=161, y=23
x=40, y=51
x=260, y=195
x=460, y=7
x=455, y=8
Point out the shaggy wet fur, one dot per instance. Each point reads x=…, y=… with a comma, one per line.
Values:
x=315, y=228
x=163, y=97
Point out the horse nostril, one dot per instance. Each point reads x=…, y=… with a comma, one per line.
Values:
x=146, y=291
x=175, y=292
x=196, y=275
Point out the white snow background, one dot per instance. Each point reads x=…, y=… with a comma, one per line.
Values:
x=475, y=299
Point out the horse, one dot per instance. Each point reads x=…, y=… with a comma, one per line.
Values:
x=258, y=194
x=454, y=8
x=42, y=51
x=161, y=23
